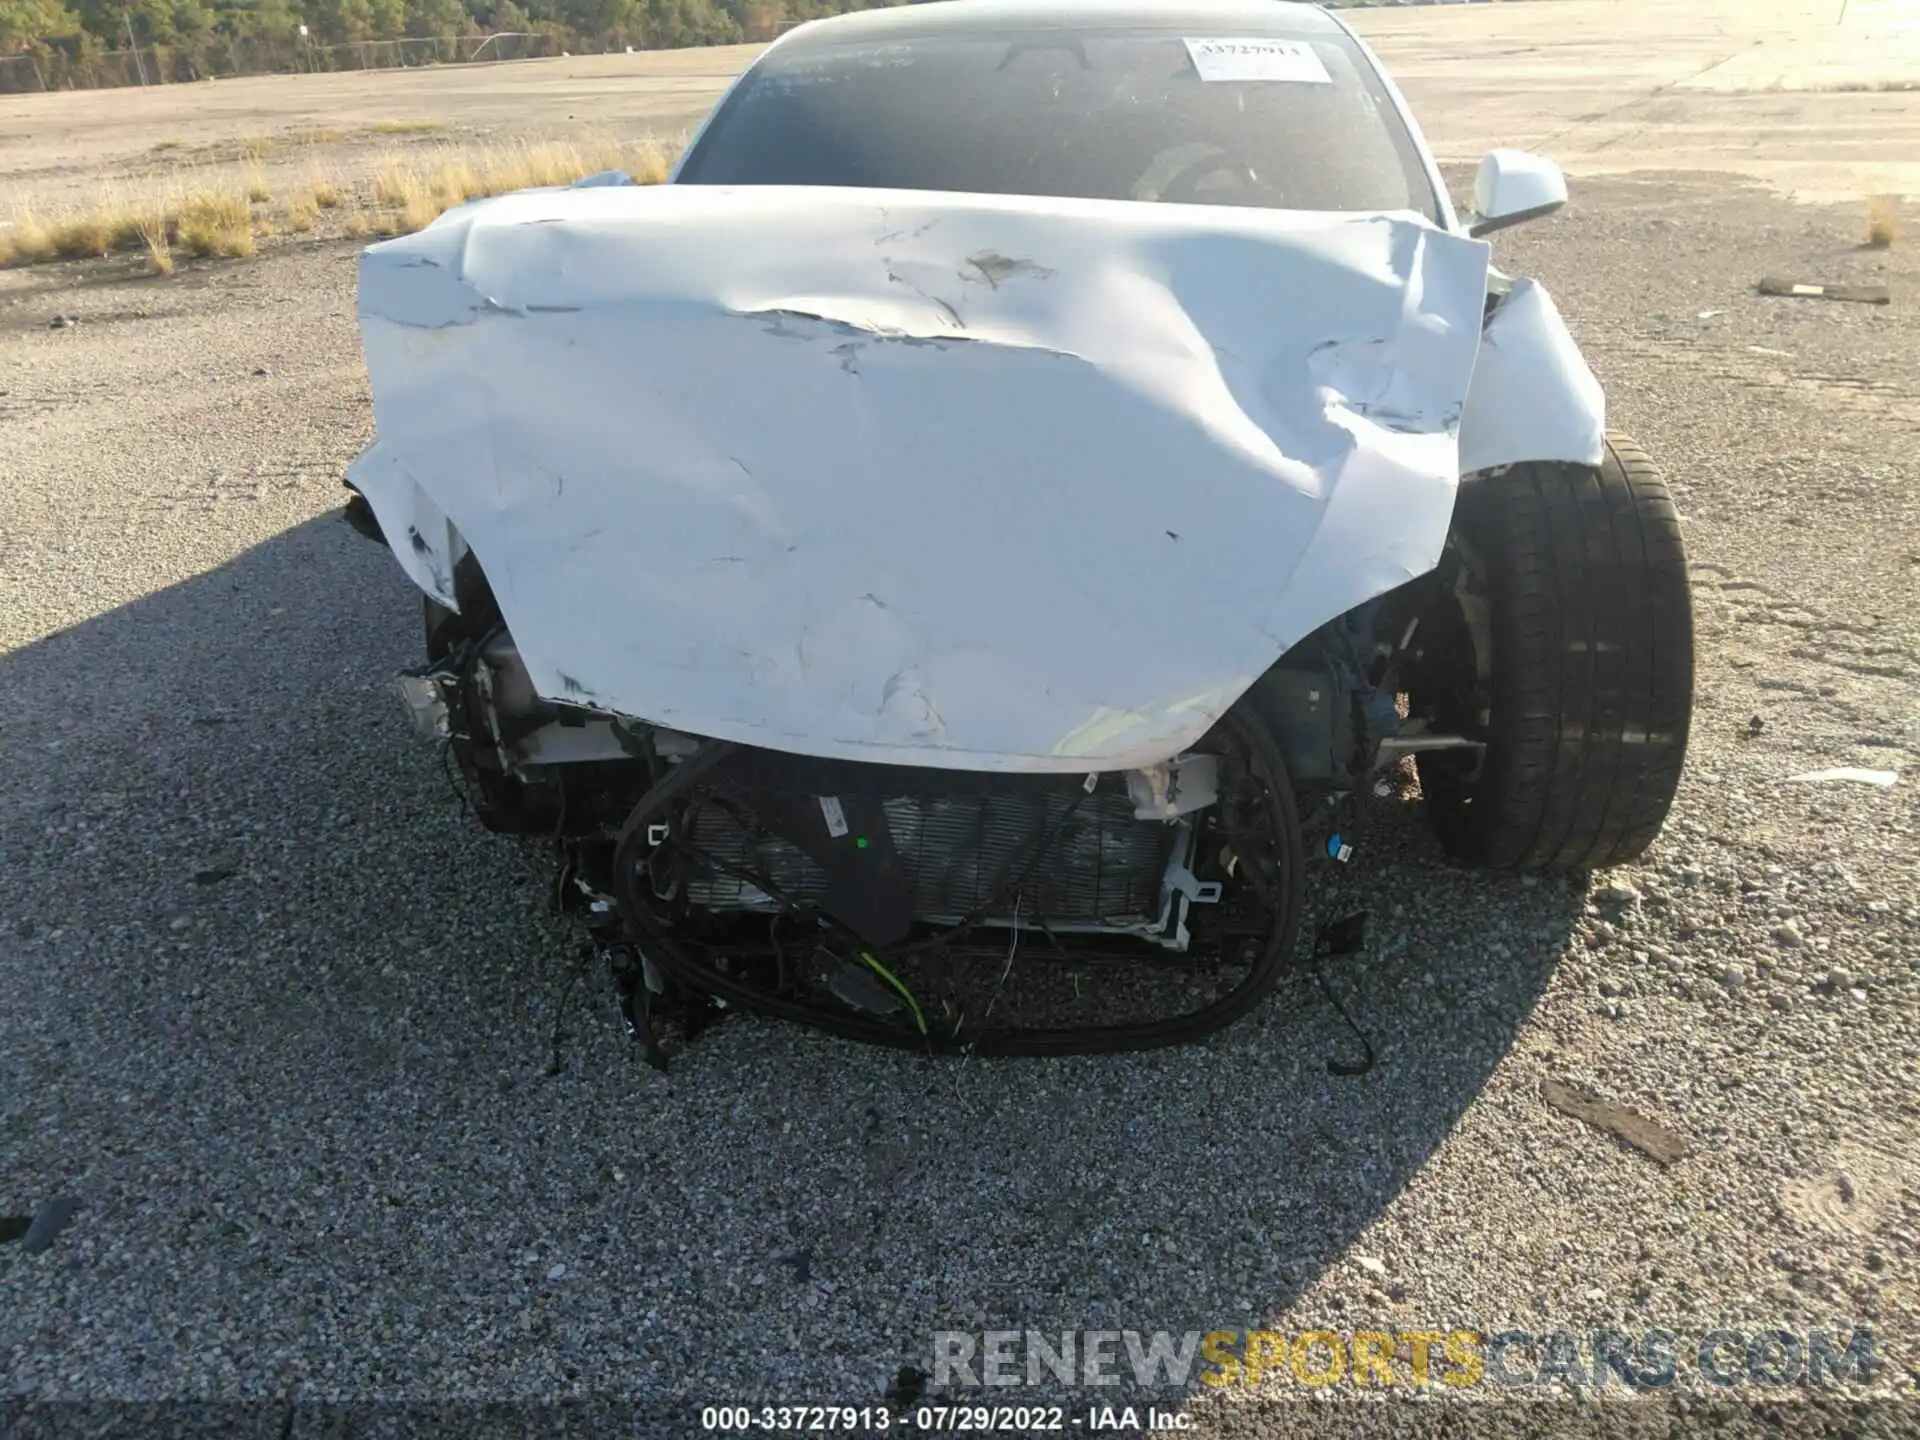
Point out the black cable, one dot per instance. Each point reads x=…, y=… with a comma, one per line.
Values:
x=1017, y=879
x=1344, y=1067
x=765, y=884
x=677, y=781
x=1145, y=958
x=863, y=948
x=446, y=752
x=782, y=973
x=633, y=830
x=760, y=879
x=463, y=659
x=559, y=1010
x=1342, y=937
x=790, y=906
x=559, y=897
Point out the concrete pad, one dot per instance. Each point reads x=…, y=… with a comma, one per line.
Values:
x=1782, y=91
x=1819, y=99
x=663, y=92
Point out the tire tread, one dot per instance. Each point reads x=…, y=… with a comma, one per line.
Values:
x=1592, y=665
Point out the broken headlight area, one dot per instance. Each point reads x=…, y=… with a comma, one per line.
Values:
x=927, y=907
x=931, y=908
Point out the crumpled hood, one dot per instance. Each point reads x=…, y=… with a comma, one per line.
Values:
x=996, y=483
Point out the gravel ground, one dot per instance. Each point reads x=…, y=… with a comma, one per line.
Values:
x=339, y=1126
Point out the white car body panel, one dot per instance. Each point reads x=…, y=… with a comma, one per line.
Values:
x=1532, y=396
x=980, y=482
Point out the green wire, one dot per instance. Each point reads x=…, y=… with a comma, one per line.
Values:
x=919, y=1019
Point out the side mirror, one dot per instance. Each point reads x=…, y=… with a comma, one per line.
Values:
x=1512, y=186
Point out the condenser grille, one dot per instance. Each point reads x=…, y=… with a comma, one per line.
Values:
x=1103, y=866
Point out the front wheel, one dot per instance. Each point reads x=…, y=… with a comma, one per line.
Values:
x=1566, y=647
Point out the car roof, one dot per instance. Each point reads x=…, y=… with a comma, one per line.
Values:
x=1198, y=17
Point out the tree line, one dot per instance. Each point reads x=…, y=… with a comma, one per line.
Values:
x=71, y=41
x=51, y=44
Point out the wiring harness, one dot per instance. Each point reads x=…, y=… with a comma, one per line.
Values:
x=950, y=987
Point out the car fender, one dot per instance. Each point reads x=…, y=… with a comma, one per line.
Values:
x=1532, y=396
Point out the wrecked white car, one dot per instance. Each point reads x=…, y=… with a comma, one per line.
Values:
x=944, y=565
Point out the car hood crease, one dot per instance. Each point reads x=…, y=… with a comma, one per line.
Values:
x=981, y=482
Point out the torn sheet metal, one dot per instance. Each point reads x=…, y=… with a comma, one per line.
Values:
x=1532, y=397
x=1167, y=791
x=995, y=483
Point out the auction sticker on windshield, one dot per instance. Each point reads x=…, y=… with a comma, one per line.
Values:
x=1258, y=60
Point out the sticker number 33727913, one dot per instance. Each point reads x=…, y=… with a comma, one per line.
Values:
x=1255, y=59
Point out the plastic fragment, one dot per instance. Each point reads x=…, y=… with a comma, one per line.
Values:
x=1883, y=778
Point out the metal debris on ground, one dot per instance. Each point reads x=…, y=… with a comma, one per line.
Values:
x=47, y=1225
x=220, y=867
x=1871, y=293
x=1647, y=1136
x=1883, y=778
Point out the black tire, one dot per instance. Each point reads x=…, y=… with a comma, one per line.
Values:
x=1586, y=708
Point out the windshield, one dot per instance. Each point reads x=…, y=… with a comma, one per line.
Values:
x=1110, y=114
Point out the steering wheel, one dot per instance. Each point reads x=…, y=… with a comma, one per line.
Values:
x=1175, y=175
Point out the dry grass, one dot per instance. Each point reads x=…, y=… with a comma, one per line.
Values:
x=1883, y=221
x=214, y=225
x=394, y=183
x=650, y=162
x=218, y=220
x=34, y=239
x=156, y=237
x=26, y=241
x=410, y=193
x=202, y=223
x=407, y=127
x=85, y=237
